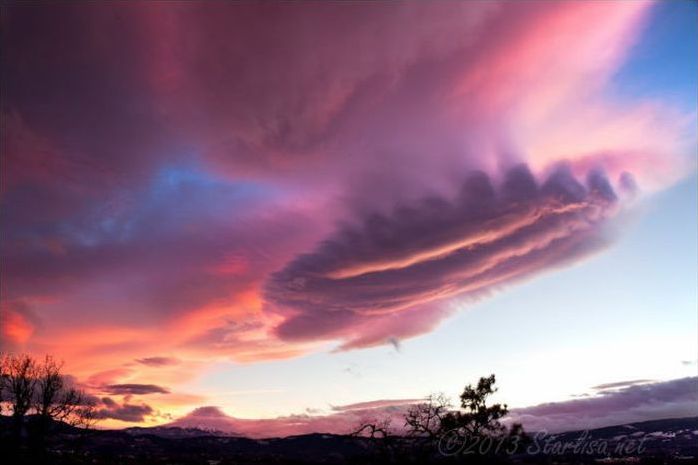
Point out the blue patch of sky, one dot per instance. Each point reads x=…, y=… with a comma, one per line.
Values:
x=177, y=196
x=663, y=64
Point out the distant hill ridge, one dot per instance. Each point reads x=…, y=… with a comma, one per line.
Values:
x=676, y=438
x=668, y=424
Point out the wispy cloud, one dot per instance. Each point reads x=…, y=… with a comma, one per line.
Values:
x=135, y=389
x=158, y=361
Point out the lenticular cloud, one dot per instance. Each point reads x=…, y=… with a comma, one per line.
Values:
x=402, y=262
x=464, y=146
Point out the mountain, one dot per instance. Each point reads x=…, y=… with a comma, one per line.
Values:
x=674, y=437
x=175, y=432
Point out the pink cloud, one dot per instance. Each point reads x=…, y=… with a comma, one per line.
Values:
x=17, y=326
x=174, y=183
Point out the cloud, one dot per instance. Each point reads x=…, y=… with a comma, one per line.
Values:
x=375, y=404
x=125, y=412
x=630, y=403
x=621, y=384
x=441, y=248
x=171, y=170
x=157, y=361
x=18, y=324
x=135, y=389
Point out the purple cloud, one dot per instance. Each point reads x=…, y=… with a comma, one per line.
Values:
x=633, y=403
x=360, y=278
x=123, y=412
x=135, y=389
x=168, y=168
x=157, y=361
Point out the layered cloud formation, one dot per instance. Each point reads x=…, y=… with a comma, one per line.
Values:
x=370, y=282
x=628, y=403
x=617, y=404
x=183, y=183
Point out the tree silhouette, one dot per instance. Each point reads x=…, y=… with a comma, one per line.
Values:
x=374, y=429
x=476, y=417
x=425, y=420
x=55, y=400
x=39, y=390
x=18, y=381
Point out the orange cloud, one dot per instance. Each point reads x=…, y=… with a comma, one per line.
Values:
x=15, y=327
x=187, y=223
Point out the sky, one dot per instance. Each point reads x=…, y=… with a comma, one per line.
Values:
x=277, y=218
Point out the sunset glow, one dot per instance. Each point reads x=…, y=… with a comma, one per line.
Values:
x=276, y=216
